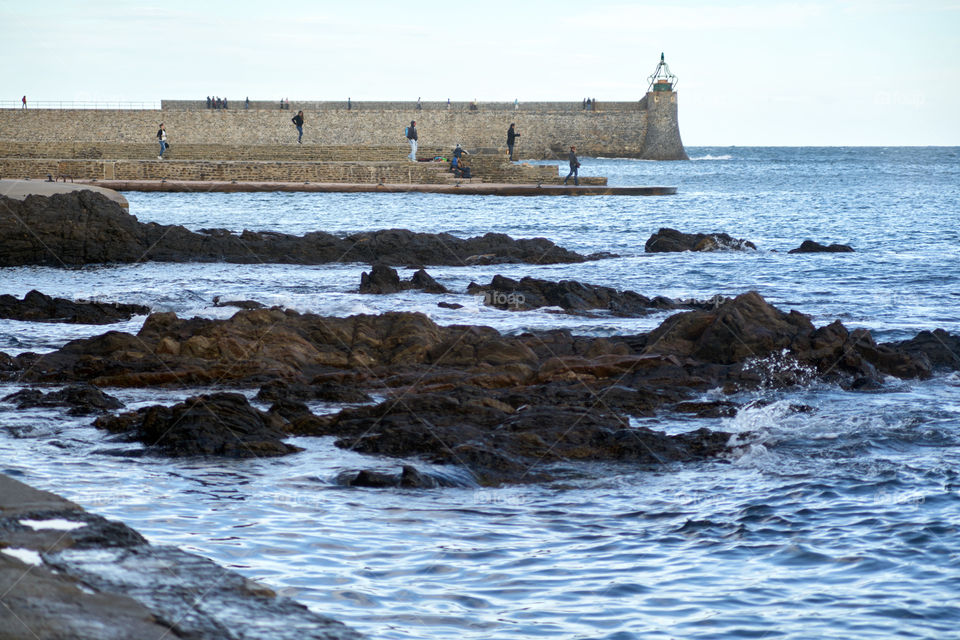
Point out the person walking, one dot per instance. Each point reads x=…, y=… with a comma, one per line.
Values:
x=349, y=103
x=162, y=139
x=574, y=167
x=246, y=103
x=298, y=123
x=24, y=101
x=512, y=136
x=412, y=138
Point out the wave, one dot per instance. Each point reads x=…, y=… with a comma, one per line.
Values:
x=710, y=157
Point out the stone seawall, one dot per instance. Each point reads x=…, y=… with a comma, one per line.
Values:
x=545, y=133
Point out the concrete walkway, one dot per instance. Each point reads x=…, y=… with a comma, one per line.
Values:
x=464, y=187
x=20, y=189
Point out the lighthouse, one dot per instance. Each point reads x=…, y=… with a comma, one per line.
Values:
x=662, y=79
x=661, y=140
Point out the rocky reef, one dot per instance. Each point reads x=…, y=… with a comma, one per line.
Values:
x=39, y=307
x=670, y=240
x=85, y=227
x=507, y=408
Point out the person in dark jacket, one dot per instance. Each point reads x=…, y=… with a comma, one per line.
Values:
x=298, y=123
x=574, y=167
x=512, y=136
x=412, y=139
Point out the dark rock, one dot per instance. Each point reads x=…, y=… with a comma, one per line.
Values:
x=445, y=305
x=240, y=304
x=385, y=279
x=573, y=296
x=83, y=399
x=277, y=390
x=498, y=442
x=409, y=478
x=704, y=409
x=221, y=424
x=39, y=307
x=84, y=227
x=942, y=349
x=809, y=246
x=670, y=240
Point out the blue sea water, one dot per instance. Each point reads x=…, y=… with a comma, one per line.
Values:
x=840, y=522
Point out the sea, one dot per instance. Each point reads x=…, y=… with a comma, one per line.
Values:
x=839, y=522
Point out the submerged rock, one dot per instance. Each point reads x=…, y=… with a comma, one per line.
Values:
x=83, y=399
x=670, y=240
x=84, y=227
x=809, y=246
x=385, y=279
x=219, y=424
x=409, y=478
x=39, y=307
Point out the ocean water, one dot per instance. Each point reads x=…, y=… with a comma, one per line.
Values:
x=840, y=522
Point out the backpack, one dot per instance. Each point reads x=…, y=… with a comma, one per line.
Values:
x=406, y=132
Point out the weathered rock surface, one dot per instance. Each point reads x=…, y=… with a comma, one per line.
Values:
x=942, y=349
x=39, y=307
x=240, y=304
x=809, y=246
x=670, y=240
x=503, y=437
x=573, y=296
x=87, y=228
x=385, y=279
x=102, y=580
x=83, y=399
x=469, y=395
x=221, y=424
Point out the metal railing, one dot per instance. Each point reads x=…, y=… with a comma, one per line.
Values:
x=79, y=104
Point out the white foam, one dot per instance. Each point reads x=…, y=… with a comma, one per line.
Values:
x=27, y=556
x=56, y=524
x=709, y=157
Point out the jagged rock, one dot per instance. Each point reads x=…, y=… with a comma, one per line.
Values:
x=500, y=442
x=573, y=296
x=445, y=305
x=219, y=424
x=39, y=307
x=385, y=279
x=669, y=240
x=942, y=349
x=84, y=227
x=83, y=399
x=809, y=246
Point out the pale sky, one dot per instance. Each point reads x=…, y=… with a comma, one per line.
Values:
x=854, y=72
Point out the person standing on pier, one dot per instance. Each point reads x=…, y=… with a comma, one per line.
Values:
x=512, y=136
x=574, y=167
x=24, y=101
x=412, y=138
x=298, y=123
x=162, y=139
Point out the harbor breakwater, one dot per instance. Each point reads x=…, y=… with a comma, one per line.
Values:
x=646, y=129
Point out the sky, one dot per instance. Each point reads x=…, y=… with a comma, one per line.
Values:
x=854, y=72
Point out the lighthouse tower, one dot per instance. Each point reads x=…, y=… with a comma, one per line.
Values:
x=662, y=140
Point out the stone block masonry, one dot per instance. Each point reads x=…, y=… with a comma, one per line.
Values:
x=645, y=129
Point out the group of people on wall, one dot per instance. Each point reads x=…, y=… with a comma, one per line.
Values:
x=457, y=163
